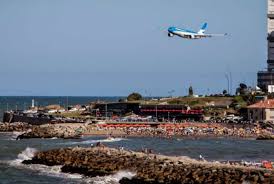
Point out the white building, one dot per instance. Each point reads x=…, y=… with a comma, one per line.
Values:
x=261, y=111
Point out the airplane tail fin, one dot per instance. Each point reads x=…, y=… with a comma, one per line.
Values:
x=203, y=28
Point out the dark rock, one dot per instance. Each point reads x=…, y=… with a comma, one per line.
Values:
x=265, y=137
x=16, y=126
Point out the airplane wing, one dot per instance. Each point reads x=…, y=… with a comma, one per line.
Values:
x=213, y=35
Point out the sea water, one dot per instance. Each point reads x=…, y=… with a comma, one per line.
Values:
x=12, y=153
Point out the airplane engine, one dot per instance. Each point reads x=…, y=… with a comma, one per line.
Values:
x=170, y=34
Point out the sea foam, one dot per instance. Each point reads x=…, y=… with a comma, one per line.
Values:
x=96, y=141
x=111, y=179
x=28, y=154
x=55, y=171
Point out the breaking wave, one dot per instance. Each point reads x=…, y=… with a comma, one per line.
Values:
x=15, y=135
x=55, y=171
x=111, y=179
x=28, y=154
x=96, y=141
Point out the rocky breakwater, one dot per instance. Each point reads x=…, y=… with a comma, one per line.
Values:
x=265, y=137
x=14, y=127
x=50, y=131
x=149, y=168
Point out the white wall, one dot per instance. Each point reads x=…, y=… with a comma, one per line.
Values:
x=270, y=11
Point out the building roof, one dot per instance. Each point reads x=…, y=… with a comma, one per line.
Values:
x=266, y=104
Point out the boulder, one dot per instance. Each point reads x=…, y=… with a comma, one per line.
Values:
x=265, y=137
x=50, y=131
x=14, y=127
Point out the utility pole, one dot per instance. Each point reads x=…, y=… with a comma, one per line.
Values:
x=156, y=111
x=67, y=103
x=228, y=84
x=230, y=76
x=106, y=110
x=96, y=112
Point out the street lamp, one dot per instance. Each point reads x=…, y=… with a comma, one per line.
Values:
x=156, y=111
x=230, y=78
x=106, y=109
x=227, y=78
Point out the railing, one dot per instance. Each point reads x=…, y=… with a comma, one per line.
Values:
x=173, y=110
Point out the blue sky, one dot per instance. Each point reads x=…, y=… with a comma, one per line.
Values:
x=112, y=48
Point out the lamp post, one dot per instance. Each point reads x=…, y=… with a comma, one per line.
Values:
x=230, y=78
x=96, y=112
x=156, y=111
x=106, y=109
x=227, y=78
x=67, y=103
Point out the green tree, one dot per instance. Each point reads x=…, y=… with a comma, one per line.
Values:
x=190, y=91
x=242, y=89
x=134, y=97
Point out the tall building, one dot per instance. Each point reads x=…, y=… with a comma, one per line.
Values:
x=266, y=78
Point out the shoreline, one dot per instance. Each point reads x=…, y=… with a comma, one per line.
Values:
x=147, y=136
x=172, y=137
x=70, y=130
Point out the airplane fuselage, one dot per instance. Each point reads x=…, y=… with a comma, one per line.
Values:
x=184, y=33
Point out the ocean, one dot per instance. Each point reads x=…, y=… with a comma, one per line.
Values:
x=12, y=152
x=23, y=102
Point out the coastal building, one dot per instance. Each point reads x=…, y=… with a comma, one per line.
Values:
x=261, y=111
x=114, y=108
x=266, y=78
x=157, y=111
x=53, y=109
x=170, y=112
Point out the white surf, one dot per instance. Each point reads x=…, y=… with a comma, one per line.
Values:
x=55, y=171
x=96, y=141
x=28, y=154
x=111, y=179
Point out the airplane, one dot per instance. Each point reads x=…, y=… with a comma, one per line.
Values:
x=188, y=34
